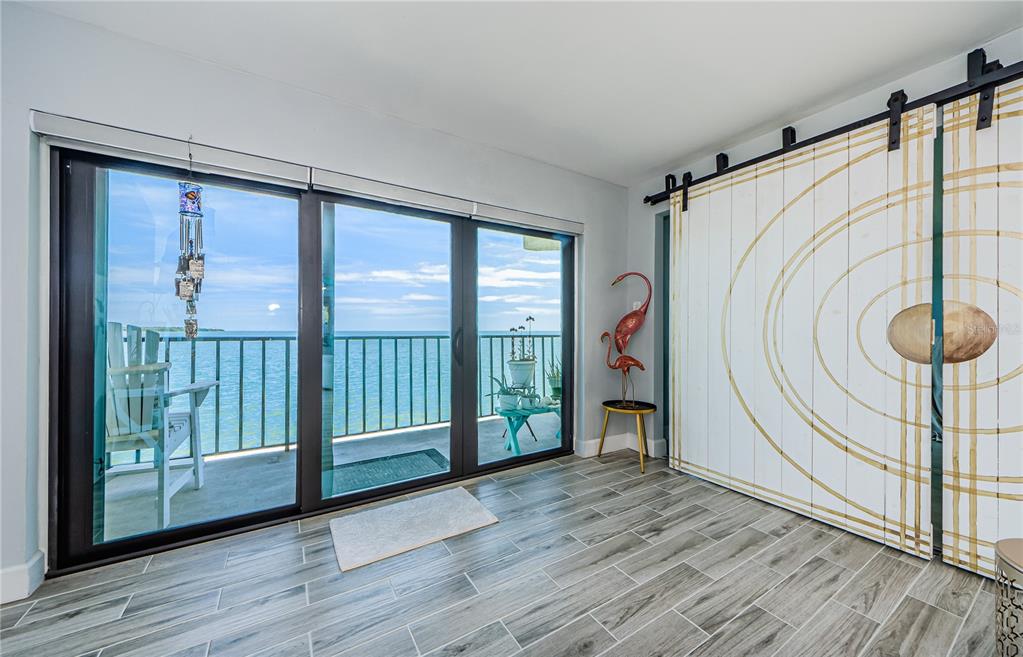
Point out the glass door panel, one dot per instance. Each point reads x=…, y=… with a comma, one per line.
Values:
x=190, y=429
x=387, y=348
x=520, y=322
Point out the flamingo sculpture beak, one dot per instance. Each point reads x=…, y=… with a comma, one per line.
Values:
x=616, y=281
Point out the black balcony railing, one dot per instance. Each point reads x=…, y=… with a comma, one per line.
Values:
x=381, y=382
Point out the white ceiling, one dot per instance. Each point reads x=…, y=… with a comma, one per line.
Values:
x=618, y=91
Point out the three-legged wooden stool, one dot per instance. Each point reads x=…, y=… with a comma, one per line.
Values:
x=639, y=409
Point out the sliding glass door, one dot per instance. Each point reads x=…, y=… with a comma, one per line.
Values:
x=226, y=353
x=521, y=319
x=180, y=312
x=387, y=327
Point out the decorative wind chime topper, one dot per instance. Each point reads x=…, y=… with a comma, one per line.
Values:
x=191, y=260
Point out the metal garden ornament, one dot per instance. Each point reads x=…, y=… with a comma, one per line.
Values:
x=191, y=259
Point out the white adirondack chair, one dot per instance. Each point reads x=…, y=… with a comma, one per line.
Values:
x=138, y=414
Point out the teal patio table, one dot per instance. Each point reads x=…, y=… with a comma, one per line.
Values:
x=514, y=418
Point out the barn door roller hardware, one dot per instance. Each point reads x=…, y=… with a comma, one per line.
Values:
x=721, y=162
x=788, y=137
x=896, y=103
x=977, y=67
x=982, y=79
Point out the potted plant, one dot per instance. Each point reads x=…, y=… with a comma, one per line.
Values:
x=507, y=398
x=554, y=377
x=522, y=363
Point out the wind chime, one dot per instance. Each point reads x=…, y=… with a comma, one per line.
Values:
x=191, y=260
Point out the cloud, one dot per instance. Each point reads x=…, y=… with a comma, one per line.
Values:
x=516, y=278
x=424, y=273
x=413, y=296
x=273, y=307
x=519, y=298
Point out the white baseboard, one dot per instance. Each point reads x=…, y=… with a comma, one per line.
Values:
x=615, y=442
x=17, y=582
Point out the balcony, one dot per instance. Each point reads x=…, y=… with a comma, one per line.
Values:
x=390, y=397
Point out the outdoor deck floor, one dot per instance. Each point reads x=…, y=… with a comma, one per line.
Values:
x=589, y=558
x=245, y=483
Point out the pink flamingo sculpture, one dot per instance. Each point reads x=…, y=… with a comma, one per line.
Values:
x=633, y=320
x=623, y=363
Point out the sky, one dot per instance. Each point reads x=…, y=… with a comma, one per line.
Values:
x=392, y=272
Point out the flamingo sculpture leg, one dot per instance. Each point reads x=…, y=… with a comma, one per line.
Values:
x=623, y=363
x=633, y=320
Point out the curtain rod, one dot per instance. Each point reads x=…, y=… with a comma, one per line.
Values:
x=981, y=75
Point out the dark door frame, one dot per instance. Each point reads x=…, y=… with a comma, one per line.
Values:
x=72, y=353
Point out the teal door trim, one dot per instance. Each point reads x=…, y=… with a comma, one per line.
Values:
x=937, y=349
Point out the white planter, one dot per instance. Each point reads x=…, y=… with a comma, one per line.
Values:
x=521, y=372
x=507, y=402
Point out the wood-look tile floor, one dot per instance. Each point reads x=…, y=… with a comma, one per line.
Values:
x=590, y=558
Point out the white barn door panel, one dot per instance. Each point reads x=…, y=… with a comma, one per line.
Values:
x=982, y=395
x=782, y=377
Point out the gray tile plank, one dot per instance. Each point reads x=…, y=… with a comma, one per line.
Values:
x=792, y=551
x=630, y=501
x=202, y=650
x=517, y=523
x=521, y=563
x=645, y=602
x=712, y=607
x=300, y=621
x=398, y=643
x=835, y=631
x=10, y=614
x=258, y=587
x=915, y=629
x=686, y=497
x=538, y=619
x=594, y=559
x=488, y=641
x=297, y=647
x=644, y=566
x=595, y=483
x=726, y=500
x=674, y=523
x=755, y=633
x=416, y=579
x=583, y=637
x=805, y=591
x=681, y=482
x=946, y=587
x=602, y=530
x=122, y=629
x=977, y=635
x=780, y=523
x=338, y=583
x=88, y=578
x=205, y=628
x=876, y=589
x=636, y=484
x=554, y=528
x=669, y=635
x=728, y=522
x=166, y=584
x=725, y=555
x=579, y=503
x=851, y=551
x=31, y=633
x=353, y=630
x=530, y=469
x=445, y=626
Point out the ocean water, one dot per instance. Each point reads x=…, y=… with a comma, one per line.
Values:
x=380, y=381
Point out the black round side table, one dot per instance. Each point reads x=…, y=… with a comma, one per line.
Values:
x=637, y=408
